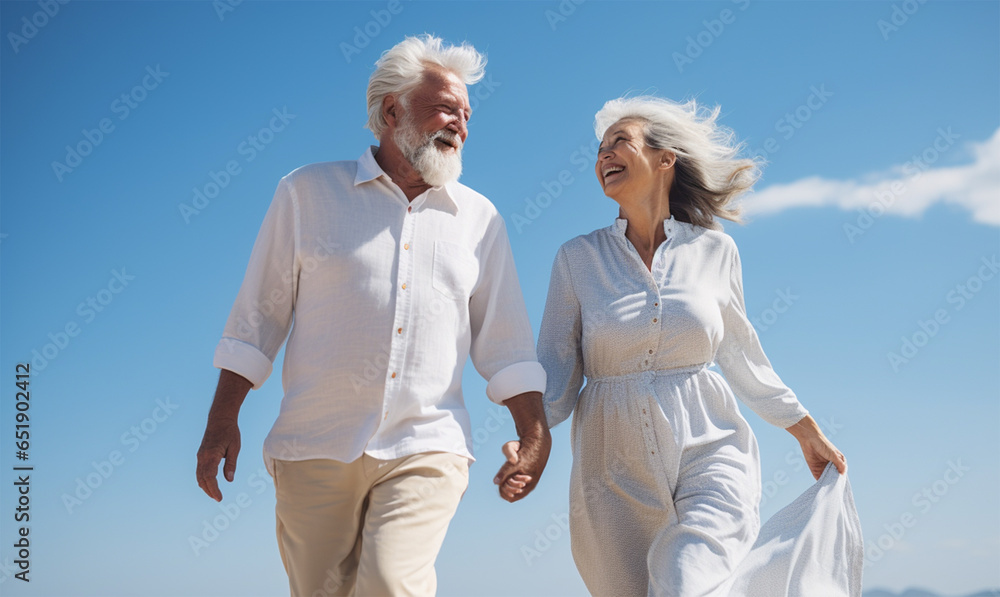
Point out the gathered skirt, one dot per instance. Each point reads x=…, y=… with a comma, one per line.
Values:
x=664, y=496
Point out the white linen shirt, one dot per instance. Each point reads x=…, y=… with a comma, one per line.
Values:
x=390, y=297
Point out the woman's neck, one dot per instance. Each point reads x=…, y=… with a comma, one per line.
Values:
x=645, y=220
x=645, y=224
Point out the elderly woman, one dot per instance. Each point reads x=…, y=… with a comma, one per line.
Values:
x=665, y=484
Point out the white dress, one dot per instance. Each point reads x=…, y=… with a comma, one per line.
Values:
x=665, y=484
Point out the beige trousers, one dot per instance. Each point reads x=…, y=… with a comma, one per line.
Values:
x=366, y=528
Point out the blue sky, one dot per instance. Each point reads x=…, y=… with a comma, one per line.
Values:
x=874, y=231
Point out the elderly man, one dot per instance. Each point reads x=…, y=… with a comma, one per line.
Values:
x=396, y=274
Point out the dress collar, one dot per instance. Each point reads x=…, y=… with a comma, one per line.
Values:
x=369, y=170
x=670, y=226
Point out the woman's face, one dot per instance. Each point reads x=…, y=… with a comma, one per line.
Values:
x=626, y=166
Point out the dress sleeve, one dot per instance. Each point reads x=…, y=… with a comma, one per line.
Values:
x=261, y=317
x=743, y=362
x=559, y=344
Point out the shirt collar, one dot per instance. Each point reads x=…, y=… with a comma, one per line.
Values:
x=369, y=170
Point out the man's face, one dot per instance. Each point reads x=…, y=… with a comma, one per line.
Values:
x=440, y=103
x=433, y=127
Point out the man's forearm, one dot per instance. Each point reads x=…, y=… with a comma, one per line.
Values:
x=529, y=415
x=527, y=459
x=229, y=395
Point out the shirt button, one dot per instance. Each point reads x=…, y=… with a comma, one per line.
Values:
x=406, y=247
x=650, y=351
x=399, y=330
x=654, y=319
x=404, y=288
x=656, y=304
x=393, y=375
x=385, y=416
x=410, y=208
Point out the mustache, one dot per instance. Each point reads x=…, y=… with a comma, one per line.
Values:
x=447, y=136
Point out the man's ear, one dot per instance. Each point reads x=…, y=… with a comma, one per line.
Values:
x=389, y=110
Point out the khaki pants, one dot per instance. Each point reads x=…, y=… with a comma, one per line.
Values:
x=366, y=528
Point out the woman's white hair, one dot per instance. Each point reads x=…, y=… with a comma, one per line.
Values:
x=709, y=171
x=402, y=67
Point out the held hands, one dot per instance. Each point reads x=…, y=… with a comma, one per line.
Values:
x=526, y=458
x=816, y=448
x=525, y=462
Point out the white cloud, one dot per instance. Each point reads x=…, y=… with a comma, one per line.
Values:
x=904, y=190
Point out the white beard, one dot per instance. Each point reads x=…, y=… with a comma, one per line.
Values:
x=420, y=150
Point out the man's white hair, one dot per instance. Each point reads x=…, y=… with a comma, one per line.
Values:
x=402, y=67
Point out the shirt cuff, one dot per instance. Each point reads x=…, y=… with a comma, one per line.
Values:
x=243, y=359
x=516, y=379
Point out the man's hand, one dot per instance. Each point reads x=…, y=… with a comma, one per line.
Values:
x=519, y=475
x=222, y=433
x=526, y=458
x=221, y=440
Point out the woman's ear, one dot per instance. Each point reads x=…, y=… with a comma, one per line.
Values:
x=667, y=159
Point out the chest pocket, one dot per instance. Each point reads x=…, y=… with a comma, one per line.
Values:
x=455, y=270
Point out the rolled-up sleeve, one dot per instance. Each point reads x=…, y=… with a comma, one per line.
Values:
x=503, y=346
x=747, y=369
x=559, y=344
x=261, y=317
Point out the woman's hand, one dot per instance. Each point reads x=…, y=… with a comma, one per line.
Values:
x=816, y=448
x=514, y=488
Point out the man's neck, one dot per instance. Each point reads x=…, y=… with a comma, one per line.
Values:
x=400, y=171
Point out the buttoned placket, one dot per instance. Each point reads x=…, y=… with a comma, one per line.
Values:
x=649, y=361
x=404, y=303
x=648, y=435
x=655, y=278
x=658, y=272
